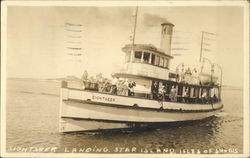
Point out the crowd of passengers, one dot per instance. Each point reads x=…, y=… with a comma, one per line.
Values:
x=168, y=92
x=188, y=76
x=115, y=86
x=163, y=92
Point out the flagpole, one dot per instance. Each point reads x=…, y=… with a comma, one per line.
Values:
x=133, y=42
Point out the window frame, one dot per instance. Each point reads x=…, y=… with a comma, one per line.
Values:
x=161, y=63
x=136, y=59
x=143, y=58
x=157, y=61
x=152, y=59
x=166, y=62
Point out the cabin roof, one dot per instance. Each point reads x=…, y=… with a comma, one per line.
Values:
x=147, y=47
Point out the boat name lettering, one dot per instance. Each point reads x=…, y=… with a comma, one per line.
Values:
x=103, y=98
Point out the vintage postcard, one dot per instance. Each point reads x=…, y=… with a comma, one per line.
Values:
x=125, y=79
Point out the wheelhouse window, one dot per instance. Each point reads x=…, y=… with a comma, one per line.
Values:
x=153, y=59
x=138, y=56
x=161, y=61
x=146, y=57
x=157, y=62
x=166, y=63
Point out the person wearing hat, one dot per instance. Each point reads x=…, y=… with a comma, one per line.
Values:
x=114, y=84
x=155, y=90
x=162, y=92
x=172, y=94
x=185, y=95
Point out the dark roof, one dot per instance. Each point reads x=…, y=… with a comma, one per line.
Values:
x=167, y=23
x=148, y=47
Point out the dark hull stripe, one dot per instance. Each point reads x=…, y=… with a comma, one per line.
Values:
x=129, y=122
x=134, y=126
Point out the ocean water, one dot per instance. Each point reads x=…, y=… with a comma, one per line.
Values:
x=32, y=126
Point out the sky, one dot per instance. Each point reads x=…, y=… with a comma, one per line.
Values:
x=38, y=38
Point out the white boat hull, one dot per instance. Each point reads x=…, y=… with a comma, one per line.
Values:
x=91, y=111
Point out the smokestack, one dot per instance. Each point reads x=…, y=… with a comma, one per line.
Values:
x=166, y=37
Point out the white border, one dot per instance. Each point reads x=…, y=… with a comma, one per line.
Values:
x=246, y=79
x=5, y=4
x=3, y=76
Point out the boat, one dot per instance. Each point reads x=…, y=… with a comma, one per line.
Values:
x=86, y=107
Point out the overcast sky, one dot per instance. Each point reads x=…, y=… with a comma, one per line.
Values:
x=37, y=38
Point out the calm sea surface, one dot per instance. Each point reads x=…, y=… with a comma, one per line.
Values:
x=32, y=126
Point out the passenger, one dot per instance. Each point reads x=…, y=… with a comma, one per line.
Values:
x=195, y=76
x=106, y=86
x=124, y=88
x=114, y=85
x=204, y=97
x=178, y=76
x=100, y=82
x=101, y=86
x=155, y=90
x=194, y=71
x=92, y=83
x=215, y=98
x=120, y=87
x=131, y=89
x=84, y=79
x=162, y=93
x=126, y=82
x=209, y=100
x=187, y=76
x=84, y=76
x=188, y=71
x=172, y=94
x=185, y=95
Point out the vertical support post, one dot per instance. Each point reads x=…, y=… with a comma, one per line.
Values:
x=150, y=58
x=142, y=56
x=220, y=83
x=200, y=92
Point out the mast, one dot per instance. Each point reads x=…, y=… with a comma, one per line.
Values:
x=133, y=41
x=201, y=45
